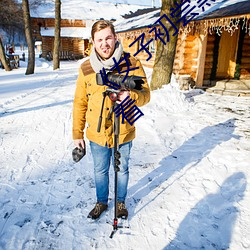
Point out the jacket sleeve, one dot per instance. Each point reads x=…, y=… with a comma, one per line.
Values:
x=80, y=105
x=141, y=97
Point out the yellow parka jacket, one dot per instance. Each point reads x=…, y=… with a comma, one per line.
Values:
x=88, y=101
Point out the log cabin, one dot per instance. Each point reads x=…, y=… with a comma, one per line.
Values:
x=212, y=49
x=74, y=41
x=77, y=17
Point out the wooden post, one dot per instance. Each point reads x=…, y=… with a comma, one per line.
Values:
x=201, y=60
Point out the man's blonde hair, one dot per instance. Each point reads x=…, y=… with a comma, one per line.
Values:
x=100, y=25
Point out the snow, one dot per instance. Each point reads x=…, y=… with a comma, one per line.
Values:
x=137, y=22
x=220, y=4
x=189, y=169
x=155, y=3
x=84, y=33
x=148, y=19
x=86, y=10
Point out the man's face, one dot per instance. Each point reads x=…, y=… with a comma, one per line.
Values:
x=104, y=42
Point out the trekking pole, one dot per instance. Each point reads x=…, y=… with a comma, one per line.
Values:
x=117, y=156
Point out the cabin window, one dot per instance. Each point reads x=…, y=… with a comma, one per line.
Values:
x=150, y=47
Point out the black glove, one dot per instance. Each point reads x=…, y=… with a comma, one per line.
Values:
x=78, y=153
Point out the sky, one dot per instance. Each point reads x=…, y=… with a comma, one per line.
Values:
x=189, y=169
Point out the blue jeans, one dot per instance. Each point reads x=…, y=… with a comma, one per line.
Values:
x=102, y=158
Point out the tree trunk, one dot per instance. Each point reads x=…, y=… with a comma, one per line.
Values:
x=3, y=57
x=29, y=38
x=164, y=58
x=11, y=19
x=56, y=59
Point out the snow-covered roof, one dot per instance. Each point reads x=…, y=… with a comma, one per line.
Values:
x=221, y=8
x=226, y=8
x=85, y=10
x=137, y=22
x=80, y=32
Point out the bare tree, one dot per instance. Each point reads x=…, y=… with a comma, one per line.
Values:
x=28, y=33
x=36, y=3
x=3, y=57
x=11, y=24
x=164, y=58
x=56, y=59
x=11, y=16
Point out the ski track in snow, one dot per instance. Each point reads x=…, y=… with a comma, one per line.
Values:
x=186, y=189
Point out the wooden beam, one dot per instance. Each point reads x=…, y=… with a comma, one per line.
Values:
x=201, y=60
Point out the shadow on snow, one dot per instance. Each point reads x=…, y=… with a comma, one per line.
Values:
x=211, y=220
x=23, y=110
x=190, y=153
x=209, y=225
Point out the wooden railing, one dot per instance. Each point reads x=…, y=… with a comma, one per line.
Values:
x=64, y=55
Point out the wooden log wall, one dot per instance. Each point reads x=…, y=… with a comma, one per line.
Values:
x=127, y=39
x=178, y=61
x=50, y=22
x=143, y=56
x=66, y=44
x=185, y=62
x=79, y=46
x=73, y=45
x=126, y=42
x=209, y=56
x=245, y=61
x=190, y=56
x=47, y=45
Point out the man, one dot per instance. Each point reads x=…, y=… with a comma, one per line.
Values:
x=87, y=107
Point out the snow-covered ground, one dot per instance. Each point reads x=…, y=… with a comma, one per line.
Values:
x=189, y=170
